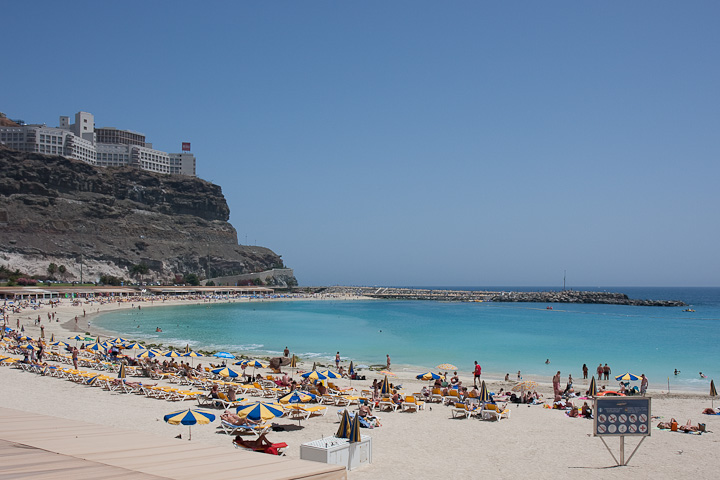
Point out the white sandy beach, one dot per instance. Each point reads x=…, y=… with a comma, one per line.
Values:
x=535, y=441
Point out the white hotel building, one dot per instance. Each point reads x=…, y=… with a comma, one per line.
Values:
x=102, y=147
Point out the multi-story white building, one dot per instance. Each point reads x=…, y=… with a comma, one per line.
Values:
x=103, y=147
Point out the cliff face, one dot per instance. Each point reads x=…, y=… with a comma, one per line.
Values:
x=67, y=212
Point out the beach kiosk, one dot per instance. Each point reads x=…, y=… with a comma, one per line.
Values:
x=622, y=417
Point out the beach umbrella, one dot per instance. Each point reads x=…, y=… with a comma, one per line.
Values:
x=428, y=376
x=172, y=354
x=387, y=372
x=524, y=385
x=355, y=429
x=713, y=392
x=149, y=354
x=225, y=372
x=25, y=338
x=60, y=344
x=29, y=346
x=385, y=387
x=96, y=347
x=627, y=377
x=189, y=417
x=296, y=396
x=254, y=363
x=192, y=355
x=260, y=411
x=52, y=338
x=313, y=366
x=133, y=346
x=592, y=391
x=224, y=355
x=187, y=348
x=314, y=375
x=345, y=425
x=76, y=338
x=122, y=373
x=484, y=396
x=330, y=374
x=446, y=366
x=351, y=369
x=118, y=340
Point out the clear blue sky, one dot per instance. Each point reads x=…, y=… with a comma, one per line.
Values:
x=414, y=142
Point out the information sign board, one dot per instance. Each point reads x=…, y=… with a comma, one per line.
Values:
x=622, y=416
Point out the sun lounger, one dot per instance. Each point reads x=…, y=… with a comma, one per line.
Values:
x=303, y=412
x=411, y=404
x=453, y=396
x=437, y=396
x=491, y=412
x=273, y=449
x=232, y=429
x=387, y=404
x=327, y=399
x=460, y=410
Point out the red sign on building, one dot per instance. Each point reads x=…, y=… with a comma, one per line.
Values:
x=186, y=146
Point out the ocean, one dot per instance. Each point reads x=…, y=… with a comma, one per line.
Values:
x=418, y=335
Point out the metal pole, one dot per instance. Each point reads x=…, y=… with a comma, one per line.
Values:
x=633, y=453
x=622, y=450
x=608, y=449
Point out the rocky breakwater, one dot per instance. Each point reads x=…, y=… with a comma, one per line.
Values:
x=572, y=296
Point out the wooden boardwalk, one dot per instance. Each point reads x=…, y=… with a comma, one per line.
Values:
x=39, y=446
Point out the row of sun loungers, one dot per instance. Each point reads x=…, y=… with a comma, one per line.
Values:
x=487, y=412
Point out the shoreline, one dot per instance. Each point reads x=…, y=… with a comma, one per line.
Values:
x=96, y=309
x=404, y=371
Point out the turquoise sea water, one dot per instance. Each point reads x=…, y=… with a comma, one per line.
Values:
x=502, y=337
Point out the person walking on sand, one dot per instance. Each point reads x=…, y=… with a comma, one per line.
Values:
x=606, y=371
x=477, y=372
x=388, y=361
x=643, y=384
x=556, y=384
x=337, y=360
x=75, y=357
x=600, y=371
x=585, y=371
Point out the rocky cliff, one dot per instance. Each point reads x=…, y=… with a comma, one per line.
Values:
x=56, y=210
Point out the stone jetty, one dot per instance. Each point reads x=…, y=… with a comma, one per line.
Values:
x=562, y=296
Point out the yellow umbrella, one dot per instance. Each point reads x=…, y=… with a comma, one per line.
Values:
x=446, y=366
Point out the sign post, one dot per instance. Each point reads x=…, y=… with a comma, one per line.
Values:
x=621, y=417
